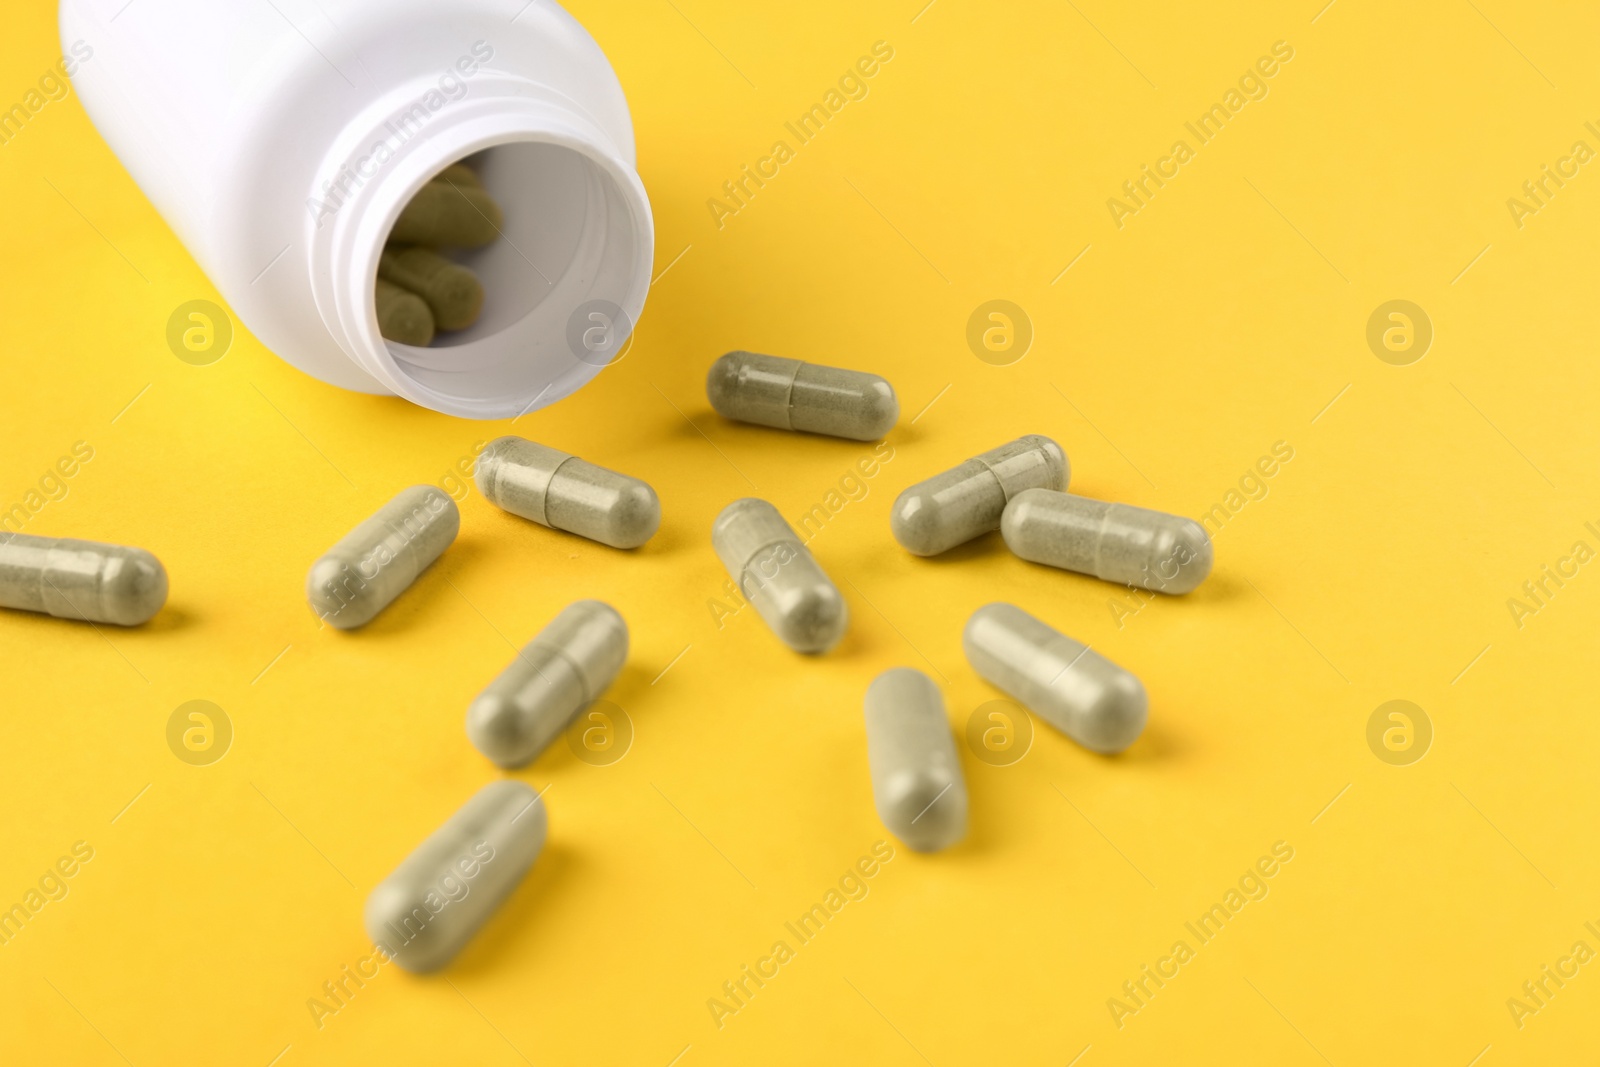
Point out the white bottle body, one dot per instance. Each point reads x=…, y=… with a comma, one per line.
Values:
x=280, y=141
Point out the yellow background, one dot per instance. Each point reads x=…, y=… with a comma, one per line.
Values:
x=1222, y=318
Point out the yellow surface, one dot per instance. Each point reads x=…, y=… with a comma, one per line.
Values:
x=1226, y=315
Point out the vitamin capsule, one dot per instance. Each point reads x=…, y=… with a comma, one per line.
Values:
x=563, y=492
x=403, y=316
x=917, y=783
x=775, y=573
x=452, y=292
x=459, y=214
x=379, y=559
x=791, y=395
x=1070, y=686
x=1116, y=542
x=561, y=671
x=429, y=908
x=964, y=502
x=80, y=580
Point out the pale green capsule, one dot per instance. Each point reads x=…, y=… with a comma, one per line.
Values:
x=80, y=580
x=917, y=784
x=1116, y=542
x=424, y=913
x=964, y=502
x=563, y=492
x=790, y=395
x=775, y=573
x=561, y=671
x=1064, y=682
x=378, y=560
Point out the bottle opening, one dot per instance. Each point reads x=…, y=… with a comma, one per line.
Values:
x=561, y=281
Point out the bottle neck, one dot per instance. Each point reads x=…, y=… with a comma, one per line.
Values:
x=577, y=241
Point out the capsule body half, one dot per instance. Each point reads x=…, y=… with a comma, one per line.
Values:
x=1067, y=684
x=775, y=573
x=1116, y=542
x=917, y=784
x=790, y=395
x=429, y=908
x=964, y=502
x=378, y=560
x=82, y=580
x=563, y=492
x=561, y=671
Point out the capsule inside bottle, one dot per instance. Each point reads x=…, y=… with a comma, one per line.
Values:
x=561, y=671
x=1065, y=683
x=424, y=913
x=1116, y=542
x=775, y=573
x=917, y=784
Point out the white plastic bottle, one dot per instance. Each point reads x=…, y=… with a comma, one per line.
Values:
x=281, y=140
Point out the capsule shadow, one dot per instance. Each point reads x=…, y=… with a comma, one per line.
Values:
x=170, y=619
x=1157, y=744
x=668, y=539
x=632, y=684
x=1220, y=587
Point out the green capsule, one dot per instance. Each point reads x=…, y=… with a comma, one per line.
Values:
x=452, y=292
x=459, y=214
x=403, y=316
